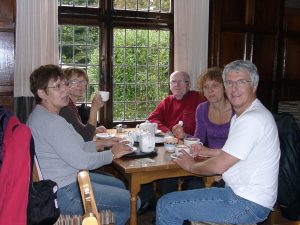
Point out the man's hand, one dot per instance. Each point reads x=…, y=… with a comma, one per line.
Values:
x=178, y=132
x=185, y=161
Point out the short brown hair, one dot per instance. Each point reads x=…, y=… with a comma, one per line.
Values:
x=40, y=77
x=69, y=72
x=213, y=73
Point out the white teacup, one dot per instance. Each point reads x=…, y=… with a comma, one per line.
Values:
x=180, y=148
x=104, y=95
x=191, y=141
x=129, y=139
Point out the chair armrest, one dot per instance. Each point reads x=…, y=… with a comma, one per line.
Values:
x=91, y=215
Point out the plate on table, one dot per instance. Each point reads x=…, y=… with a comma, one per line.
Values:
x=139, y=154
x=104, y=135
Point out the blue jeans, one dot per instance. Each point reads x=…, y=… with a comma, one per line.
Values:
x=219, y=205
x=110, y=193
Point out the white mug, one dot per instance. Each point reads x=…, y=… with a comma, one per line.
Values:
x=129, y=139
x=104, y=95
x=191, y=141
x=180, y=148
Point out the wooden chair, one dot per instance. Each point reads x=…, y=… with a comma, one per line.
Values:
x=91, y=215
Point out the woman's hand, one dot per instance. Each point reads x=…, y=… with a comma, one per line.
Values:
x=102, y=143
x=97, y=102
x=101, y=129
x=120, y=149
x=178, y=132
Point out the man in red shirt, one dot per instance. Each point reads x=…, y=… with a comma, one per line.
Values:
x=180, y=106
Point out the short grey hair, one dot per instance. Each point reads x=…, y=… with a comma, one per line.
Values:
x=186, y=75
x=239, y=65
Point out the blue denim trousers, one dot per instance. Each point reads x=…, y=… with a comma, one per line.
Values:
x=219, y=205
x=110, y=193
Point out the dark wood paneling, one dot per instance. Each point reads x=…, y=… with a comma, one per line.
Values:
x=7, y=48
x=291, y=20
x=266, y=13
x=231, y=47
x=7, y=14
x=6, y=59
x=230, y=6
x=292, y=58
x=265, y=62
x=249, y=29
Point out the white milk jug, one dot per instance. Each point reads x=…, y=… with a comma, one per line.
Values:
x=147, y=142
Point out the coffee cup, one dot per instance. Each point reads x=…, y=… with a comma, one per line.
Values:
x=128, y=139
x=104, y=95
x=180, y=148
x=191, y=141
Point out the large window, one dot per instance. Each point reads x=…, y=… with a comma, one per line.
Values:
x=125, y=47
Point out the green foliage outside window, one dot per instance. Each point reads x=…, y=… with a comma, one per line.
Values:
x=140, y=66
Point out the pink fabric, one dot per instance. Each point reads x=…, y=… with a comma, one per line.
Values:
x=15, y=173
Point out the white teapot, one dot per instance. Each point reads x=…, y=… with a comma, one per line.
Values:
x=147, y=126
x=135, y=134
x=147, y=142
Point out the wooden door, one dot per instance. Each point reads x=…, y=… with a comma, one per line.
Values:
x=249, y=29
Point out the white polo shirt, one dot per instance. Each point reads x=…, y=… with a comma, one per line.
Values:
x=253, y=138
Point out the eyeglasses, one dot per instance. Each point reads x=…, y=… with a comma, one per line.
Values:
x=180, y=82
x=238, y=83
x=78, y=82
x=59, y=86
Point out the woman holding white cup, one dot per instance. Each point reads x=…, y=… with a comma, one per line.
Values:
x=78, y=80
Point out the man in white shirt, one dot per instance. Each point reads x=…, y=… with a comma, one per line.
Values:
x=248, y=162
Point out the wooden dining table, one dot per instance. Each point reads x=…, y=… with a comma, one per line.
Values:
x=143, y=170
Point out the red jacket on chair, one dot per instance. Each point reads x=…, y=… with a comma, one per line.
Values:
x=15, y=173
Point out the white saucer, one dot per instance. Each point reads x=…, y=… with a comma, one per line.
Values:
x=104, y=135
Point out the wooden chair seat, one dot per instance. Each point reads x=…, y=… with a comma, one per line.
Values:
x=107, y=218
x=91, y=216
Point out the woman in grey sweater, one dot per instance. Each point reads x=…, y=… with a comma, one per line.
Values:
x=62, y=152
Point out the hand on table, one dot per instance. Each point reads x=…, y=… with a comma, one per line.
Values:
x=102, y=143
x=202, y=151
x=185, y=161
x=120, y=149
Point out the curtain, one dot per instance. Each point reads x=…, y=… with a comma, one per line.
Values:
x=191, y=28
x=36, y=44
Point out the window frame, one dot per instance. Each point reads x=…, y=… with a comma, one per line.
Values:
x=106, y=18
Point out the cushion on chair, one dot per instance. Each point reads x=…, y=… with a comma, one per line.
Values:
x=106, y=216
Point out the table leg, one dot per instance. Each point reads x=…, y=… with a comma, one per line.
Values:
x=134, y=190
